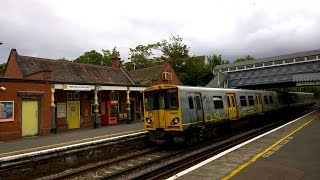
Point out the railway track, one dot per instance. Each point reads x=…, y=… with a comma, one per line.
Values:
x=159, y=163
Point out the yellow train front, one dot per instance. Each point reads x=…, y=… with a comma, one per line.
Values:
x=162, y=112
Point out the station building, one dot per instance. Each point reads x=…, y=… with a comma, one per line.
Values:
x=40, y=96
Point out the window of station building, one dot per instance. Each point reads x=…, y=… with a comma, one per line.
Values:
x=266, y=99
x=271, y=99
x=190, y=102
x=217, y=101
x=243, y=101
x=251, y=100
x=114, y=96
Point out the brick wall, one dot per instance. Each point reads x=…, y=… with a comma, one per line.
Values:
x=175, y=80
x=12, y=130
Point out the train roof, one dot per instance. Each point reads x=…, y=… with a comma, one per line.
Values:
x=190, y=88
x=208, y=89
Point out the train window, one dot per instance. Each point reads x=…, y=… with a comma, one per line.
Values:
x=251, y=100
x=243, y=101
x=228, y=101
x=172, y=100
x=266, y=99
x=149, y=101
x=161, y=101
x=217, y=101
x=198, y=102
x=233, y=101
x=190, y=102
x=270, y=99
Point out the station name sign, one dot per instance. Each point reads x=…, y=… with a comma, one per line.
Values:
x=73, y=87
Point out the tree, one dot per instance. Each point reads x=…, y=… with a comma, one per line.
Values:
x=108, y=55
x=2, y=68
x=94, y=57
x=141, y=56
x=174, y=51
x=215, y=60
x=194, y=72
x=90, y=57
x=246, y=58
x=63, y=59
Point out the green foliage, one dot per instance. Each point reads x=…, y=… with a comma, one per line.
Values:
x=2, y=68
x=246, y=58
x=108, y=55
x=215, y=60
x=174, y=51
x=94, y=57
x=141, y=56
x=194, y=72
x=63, y=59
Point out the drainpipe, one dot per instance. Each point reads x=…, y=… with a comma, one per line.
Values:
x=96, y=109
x=128, y=106
x=53, y=113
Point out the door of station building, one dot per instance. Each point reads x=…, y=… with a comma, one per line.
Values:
x=199, y=107
x=232, y=106
x=73, y=108
x=259, y=103
x=30, y=121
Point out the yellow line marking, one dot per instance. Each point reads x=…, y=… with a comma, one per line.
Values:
x=68, y=143
x=241, y=167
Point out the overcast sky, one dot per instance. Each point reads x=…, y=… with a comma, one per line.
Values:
x=60, y=28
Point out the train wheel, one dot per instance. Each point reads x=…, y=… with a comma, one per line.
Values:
x=189, y=140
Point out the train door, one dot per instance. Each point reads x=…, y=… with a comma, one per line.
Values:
x=199, y=107
x=232, y=106
x=259, y=103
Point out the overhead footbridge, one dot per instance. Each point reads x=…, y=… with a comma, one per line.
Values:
x=297, y=69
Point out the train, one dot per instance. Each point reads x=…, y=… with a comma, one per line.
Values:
x=174, y=113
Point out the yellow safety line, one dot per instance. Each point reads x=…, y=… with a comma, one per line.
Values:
x=241, y=167
x=67, y=143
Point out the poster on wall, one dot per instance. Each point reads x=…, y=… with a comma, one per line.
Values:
x=61, y=110
x=6, y=111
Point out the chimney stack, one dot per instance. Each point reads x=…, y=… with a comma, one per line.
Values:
x=116, y=62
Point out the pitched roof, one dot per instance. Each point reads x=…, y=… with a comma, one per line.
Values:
x=273, y=58
x=145, y=76
x=71, y=72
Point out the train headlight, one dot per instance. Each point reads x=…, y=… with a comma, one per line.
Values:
x=175, y=121
x=149, y=120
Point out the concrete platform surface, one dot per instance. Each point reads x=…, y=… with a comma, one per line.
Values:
x=290, y=152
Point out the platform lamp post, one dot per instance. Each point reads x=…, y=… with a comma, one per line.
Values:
x=96, y=109
x=128, y=106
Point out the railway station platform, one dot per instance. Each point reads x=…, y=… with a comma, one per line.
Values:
x=290, y=152
x=37, y=143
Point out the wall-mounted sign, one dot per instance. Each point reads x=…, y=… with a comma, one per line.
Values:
x=6, y=111
x=73, y=87
x=61, y=110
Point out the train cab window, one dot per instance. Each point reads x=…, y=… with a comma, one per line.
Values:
x=198, y=103
x=149, y=101
x=266, y=99
x=172, y=101
x=270, y=99
x=251, y=100
x=243, y=101
x=217, y=101
x=190, y=102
